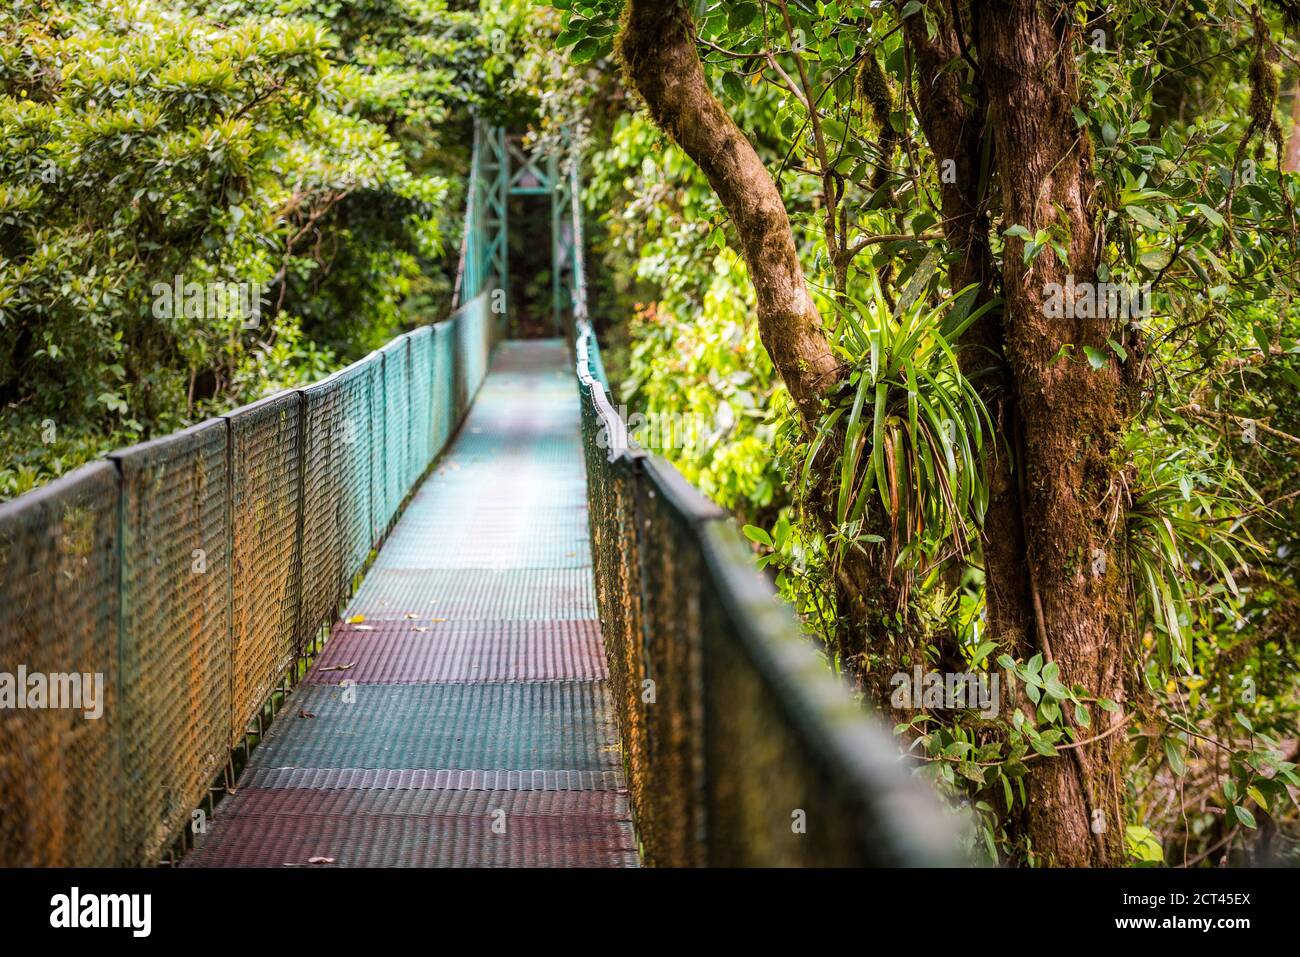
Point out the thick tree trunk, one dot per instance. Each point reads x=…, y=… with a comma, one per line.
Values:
x=657, y=47
x=956, y=128
x=1073, y=418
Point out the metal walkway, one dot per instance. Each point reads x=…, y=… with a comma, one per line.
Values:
x=459, y=715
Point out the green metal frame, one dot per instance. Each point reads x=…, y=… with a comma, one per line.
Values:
x=484, y=248
x=564, y=237
x=501, y=168
x=495, y=190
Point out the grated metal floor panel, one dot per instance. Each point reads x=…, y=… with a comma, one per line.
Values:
x=388, y=779
x=423, y=828
x=548, y=725
x=416, y=652
x=475, y=594
x=459, y=715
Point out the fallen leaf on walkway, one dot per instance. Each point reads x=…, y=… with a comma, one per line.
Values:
x=363, y=627
x=422, y=629
x=346, y=667
x=304, y=713
x=356, y=619
x=320, y=860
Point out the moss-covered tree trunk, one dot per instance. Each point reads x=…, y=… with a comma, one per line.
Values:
x=1073, y=415
x=956, y=129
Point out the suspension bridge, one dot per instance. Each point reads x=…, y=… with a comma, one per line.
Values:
x=434, y=610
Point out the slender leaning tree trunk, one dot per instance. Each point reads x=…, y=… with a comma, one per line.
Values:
x=1073, y=417
x=657, y=47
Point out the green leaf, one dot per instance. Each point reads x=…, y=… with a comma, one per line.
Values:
x=742, y=15
x=756, y=534
x=1143, y=844
x=1211, y=214
x=1156, y=259
x=585, y=50
x=1057, y=690
x=1144, y=217
x=1174, y=752
x=834, y=130
x=1081, y=716
x=1096, y=358
x=1043, y=747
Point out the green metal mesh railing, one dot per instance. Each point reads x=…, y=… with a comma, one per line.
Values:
x=192, y=571
x=319, y=515
x=174, y=645
x=442, y=383
x=266, y=489
x=378, y=475
x=396, y=357
x=740, y=747
x=352, y=441
x=419, y=426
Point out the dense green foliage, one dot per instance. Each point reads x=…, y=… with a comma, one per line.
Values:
x=1182, y=106
x=293, y=145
